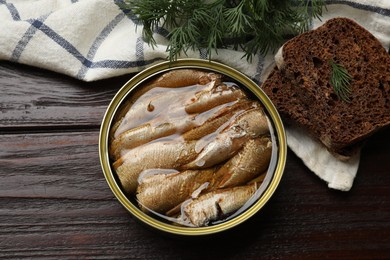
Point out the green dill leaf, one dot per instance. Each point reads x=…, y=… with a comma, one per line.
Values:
x=254, y=26
x=340, y=79
x=237, y=20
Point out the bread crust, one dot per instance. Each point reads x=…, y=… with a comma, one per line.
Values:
x=301, y=90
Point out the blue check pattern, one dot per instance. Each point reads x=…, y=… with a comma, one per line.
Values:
x=138, y=56
x=86, y=61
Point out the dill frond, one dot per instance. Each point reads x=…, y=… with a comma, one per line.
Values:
x=255, y=26
x=340, y=79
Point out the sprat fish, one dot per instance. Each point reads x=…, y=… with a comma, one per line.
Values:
x=217, y=204
x=249, y=124
x=247, y=164
x=190, y=147
x=164, y=154
x=161, y=192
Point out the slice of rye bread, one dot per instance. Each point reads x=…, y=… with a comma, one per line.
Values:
x=300, y=85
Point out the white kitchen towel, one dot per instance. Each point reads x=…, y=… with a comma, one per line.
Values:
x=95, y=39
x=87, y=39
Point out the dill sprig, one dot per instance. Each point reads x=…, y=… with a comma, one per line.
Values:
x=340, y=79
x=253, y=26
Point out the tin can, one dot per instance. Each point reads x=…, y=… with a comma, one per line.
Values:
x=272, y=177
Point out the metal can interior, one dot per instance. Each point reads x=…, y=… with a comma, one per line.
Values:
x=272, y=179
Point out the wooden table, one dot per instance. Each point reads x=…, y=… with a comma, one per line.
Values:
x=55, y=202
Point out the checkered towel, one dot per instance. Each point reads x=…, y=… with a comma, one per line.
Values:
x=95, y=39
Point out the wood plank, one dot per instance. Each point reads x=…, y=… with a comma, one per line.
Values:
x=78, y=217
x=52, y=165
x=31, y=97
x=79, y=228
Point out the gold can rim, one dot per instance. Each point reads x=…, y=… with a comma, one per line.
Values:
x=245, y=81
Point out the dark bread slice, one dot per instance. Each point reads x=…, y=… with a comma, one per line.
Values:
x=300, y=88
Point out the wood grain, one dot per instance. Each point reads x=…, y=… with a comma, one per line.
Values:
x=55, y=203
x=52, y=165
x=37, y=99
